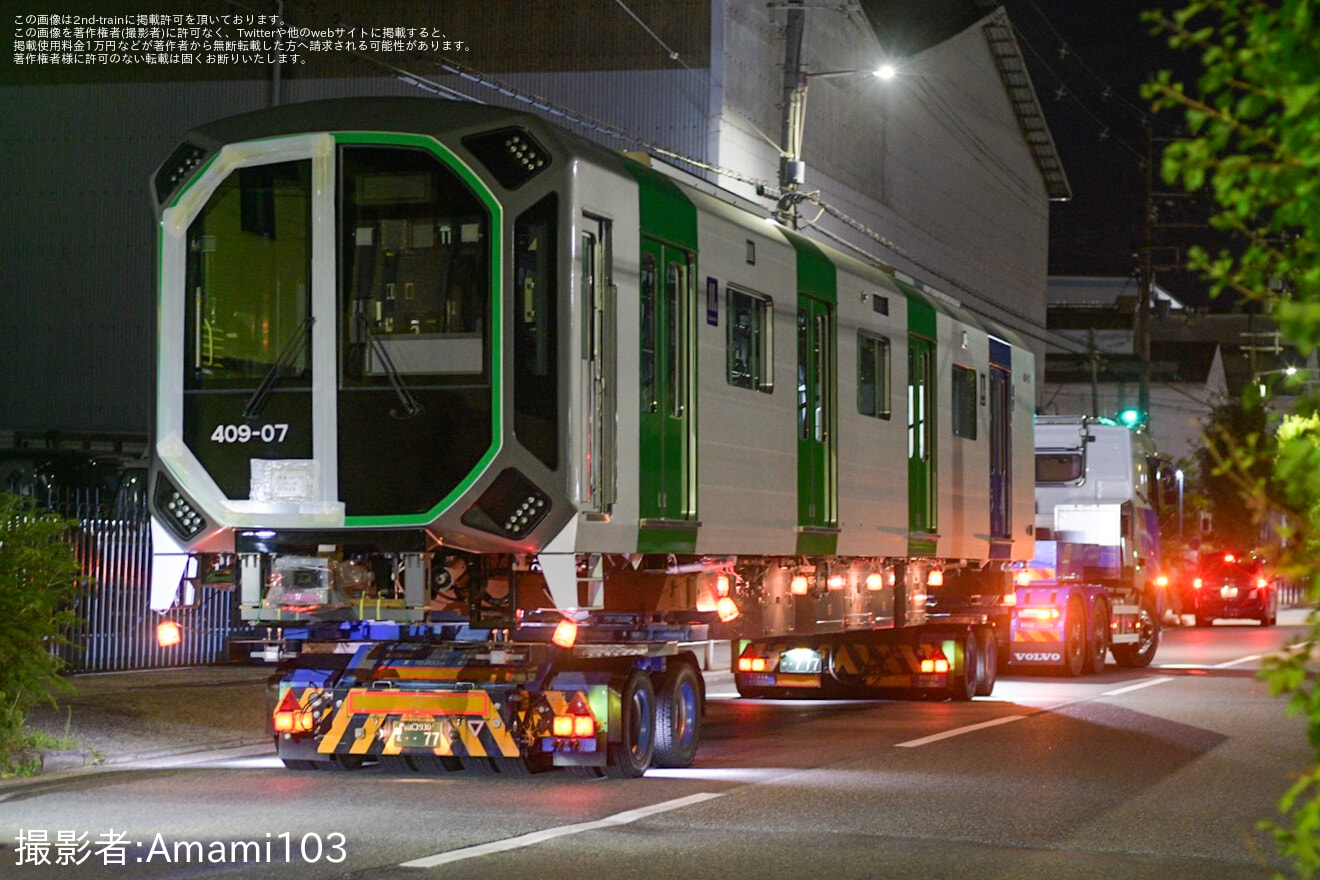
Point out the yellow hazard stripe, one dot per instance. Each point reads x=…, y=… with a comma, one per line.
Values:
x=1035, y=635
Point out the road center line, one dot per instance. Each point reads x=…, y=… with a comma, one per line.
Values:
x=1150, y=682
x=936, y=737
x=535, y=837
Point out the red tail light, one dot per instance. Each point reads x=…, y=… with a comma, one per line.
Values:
x=290, y=717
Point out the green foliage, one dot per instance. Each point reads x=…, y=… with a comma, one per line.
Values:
x=38, y=579
x=1254, y=119
x=1235, y=476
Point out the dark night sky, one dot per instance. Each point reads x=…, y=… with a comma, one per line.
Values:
x=1088, y=61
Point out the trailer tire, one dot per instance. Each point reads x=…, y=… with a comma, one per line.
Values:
x=964, y=682
x=479, y=766
x=1139, y=655
x=678, y=709
x=434, y=764
x=989, y=666
x=631, y=756
x=1098, y=645
x=1075, y=639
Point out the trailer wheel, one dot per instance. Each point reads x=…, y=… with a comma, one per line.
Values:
x=1099, y=641
x=478, y=766
x=434, y=764
x=1074, y=639
x=630, y=757
x=964, y=682
x=677, y=717
x=1140, y=654
x=989, y=666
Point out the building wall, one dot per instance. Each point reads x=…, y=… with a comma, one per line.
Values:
x=933, y=161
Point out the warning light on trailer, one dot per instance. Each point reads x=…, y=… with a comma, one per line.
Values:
x=799, y=585
x=874, y=581
x=722, y=585
x=168, y=634
x=565, y=634
x=727, y=609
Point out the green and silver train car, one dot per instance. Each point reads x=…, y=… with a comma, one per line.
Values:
x=419, y=358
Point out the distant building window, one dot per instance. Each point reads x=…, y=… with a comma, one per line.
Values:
x=750, y=349
x=964, y=402
x=873, y=376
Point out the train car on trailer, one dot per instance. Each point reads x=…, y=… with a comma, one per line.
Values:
x=483, y=422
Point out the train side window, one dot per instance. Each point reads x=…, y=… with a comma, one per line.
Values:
x=750, y=353
x=647, y=354
x=535, y=321
x=964, y=402
x=873, y=390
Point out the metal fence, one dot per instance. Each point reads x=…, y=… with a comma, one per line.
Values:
x=116, y=627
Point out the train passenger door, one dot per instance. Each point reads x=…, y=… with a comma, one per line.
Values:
x=817, y=496
x=596, y=486
x=666, y=366
x=1001, y=442
x=921, y=435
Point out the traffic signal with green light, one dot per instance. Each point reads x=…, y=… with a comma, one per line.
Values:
x=1131, y=417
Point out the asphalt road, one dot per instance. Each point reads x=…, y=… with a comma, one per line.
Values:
x=1154, y=773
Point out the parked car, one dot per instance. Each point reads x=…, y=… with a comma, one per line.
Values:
x=1228, y=585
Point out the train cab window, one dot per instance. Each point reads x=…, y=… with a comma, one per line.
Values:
x=873, y=376
x=964, y=402
x=249, y=280
x=535, y=320
x=414, y=270
x=750, y=352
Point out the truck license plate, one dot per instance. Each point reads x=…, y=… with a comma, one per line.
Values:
x=420, y=734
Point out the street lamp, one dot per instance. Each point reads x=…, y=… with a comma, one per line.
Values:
x=792, y=170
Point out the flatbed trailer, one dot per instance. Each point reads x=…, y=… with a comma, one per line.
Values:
x=432, y=697
x=934, y=661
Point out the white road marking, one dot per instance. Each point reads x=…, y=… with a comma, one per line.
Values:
x=1150, y=682
x=624, y=818
x=1236, y=662
x=936, y=737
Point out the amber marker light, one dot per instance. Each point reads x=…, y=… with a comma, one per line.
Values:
x=565, y=634
x=168, y=634
x=799, y=586
x=727, y=609
x=874, y=581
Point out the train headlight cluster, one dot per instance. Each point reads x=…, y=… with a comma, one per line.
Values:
x=175, y=510
x=513, y=506
x=178, y=168
x=511, y=154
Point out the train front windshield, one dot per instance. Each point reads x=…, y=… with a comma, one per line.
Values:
x=394, y=273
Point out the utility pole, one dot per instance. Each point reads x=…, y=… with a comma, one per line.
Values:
x=791, y=171
x=1141, y=336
